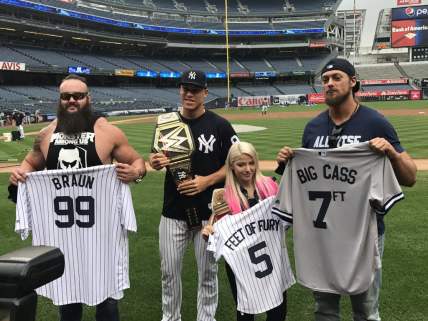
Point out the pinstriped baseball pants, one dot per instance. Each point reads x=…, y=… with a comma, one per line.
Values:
x=174, y=237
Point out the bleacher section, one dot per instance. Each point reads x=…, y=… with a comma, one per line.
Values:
x=294, y=89
x=256, y=65
x=385, y=71
x=164, y=12
x=285, y=64
x=416, y=70
x=43, y=57
x=16, y=55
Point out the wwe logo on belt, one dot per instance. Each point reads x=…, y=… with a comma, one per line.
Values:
x=172, y=141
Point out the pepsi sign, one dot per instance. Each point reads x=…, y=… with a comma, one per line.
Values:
x=406, y=13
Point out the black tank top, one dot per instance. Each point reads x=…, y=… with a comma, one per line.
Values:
x=73, y=151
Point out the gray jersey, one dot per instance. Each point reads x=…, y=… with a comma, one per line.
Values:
x=332, y=197
x=253, y=244
x=86, y=213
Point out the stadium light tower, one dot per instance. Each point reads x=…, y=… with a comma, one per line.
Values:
x=226, y=29
x=355, y=35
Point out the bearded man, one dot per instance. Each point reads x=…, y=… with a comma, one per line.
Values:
x=80, y=139
x=346, y=122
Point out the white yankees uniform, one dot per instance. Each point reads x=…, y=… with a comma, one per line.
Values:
x=253, y=244
x=86, y=213
x=332, y=197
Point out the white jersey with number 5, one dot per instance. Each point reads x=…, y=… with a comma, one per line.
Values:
x=332, y=197
x=86, y=213
x=253, y=244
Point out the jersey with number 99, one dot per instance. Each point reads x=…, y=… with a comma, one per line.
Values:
x=86, y=213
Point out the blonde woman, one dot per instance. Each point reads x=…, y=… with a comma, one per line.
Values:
x=245, y=186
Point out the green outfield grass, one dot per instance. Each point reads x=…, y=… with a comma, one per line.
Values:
x=403, y=297
x=279, y=132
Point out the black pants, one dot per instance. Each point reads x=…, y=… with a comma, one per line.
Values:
x=276, y=314
x=106, y=311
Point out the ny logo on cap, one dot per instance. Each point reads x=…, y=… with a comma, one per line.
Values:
x=329, y=67
x=192, y=75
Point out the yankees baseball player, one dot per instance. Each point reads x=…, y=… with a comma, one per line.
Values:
x=252, y=242
x=79, y=139
x=347, y=122
x=213, y=136
x=84, y=212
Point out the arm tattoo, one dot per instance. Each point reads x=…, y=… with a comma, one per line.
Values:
x=37, y=142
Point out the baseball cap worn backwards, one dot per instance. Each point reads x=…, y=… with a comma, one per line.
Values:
x=342, y=65
x=194, y=77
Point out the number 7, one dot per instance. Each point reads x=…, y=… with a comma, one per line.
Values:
x=326, y=199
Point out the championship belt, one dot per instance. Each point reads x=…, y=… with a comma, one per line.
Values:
x=174, y=139
x=219, y=209
x=218, y=205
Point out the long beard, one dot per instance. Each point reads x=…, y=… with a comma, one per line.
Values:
x=338, y=100
x=74, y=123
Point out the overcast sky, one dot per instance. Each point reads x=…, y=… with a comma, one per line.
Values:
x=372, y=15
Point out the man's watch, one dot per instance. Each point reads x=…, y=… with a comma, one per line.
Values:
x=139, y=179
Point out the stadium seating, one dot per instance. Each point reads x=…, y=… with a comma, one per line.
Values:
x=294, y=89
x=416, y=69
x=384, y=71
x=14, y=54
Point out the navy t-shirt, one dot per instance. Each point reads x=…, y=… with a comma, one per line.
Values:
x=213, y=136
x=365, y=124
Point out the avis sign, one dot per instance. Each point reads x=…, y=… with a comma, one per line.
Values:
x=10, y=65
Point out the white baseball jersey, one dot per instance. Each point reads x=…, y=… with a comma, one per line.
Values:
x=253, y=244
x=332, y=197
x=86, y=213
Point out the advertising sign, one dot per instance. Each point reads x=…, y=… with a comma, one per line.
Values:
x=124, y=72
x=11, y=65
x=146, y=74
x=408, y=2
x=215, y=75
x=415, y=95
x=418, y=12
x=409, y=33
x=264, y=74
x=241, y=74
x=286, y=99
x=316, y=98
x=252, y=101
x=78, y=70
x=385, y=81
x=170, y=74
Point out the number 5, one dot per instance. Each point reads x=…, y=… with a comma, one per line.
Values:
x=261, y=258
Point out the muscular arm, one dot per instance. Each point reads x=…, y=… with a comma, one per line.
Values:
x=34, y=161
x=404, y=169
x=403, y=165
x=130, y=164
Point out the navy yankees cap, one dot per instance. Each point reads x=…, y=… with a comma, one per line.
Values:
x=342, y=65
x=194, y=77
